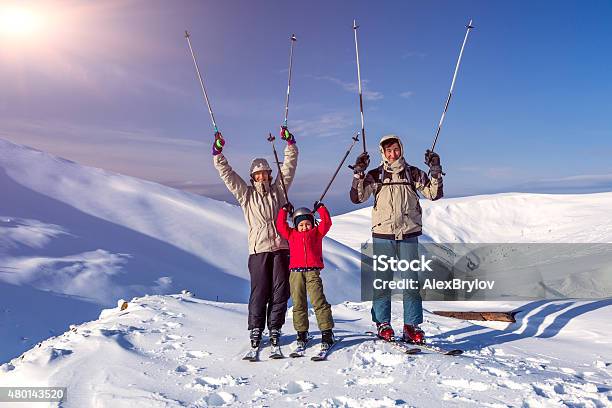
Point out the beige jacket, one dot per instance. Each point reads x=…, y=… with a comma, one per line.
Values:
x=260, y=202
x=396, y=213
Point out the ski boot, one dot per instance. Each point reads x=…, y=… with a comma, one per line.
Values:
x=255, y=337
x=413, y=334
x=385, y=331
x=302, y=339
x=327, y=339
x=275, y=335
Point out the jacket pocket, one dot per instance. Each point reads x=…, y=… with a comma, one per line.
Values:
x=255, y=235
x=380, y=218
x=413, y=218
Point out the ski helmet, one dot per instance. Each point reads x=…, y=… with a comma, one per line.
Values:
x=302, y=214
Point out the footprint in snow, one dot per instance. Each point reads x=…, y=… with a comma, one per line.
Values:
x=465, y=384
x=295, y=387
x=368, y=359
x=167, y=338
x=197, y=354
x=172, y=315
x=495, y=372
x=375, y=381
x=220, y=398
x=187, y=369
x=212, y=383
x=172, y=346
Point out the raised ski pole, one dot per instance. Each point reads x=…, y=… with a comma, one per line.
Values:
x=355, y=140
x=280, y=173
x=363, y=136
x=450, y=93
x=293, y=40
x=195, y=63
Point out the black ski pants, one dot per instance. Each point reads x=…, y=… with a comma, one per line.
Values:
x=269, y=289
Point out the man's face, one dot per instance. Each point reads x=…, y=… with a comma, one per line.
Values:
x=393, y=152
x=262, y=175
x=304, y=225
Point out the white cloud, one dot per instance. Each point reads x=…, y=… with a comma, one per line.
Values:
x=577, y=184
x=407, y=94
x=368, y=94
x=326, y=125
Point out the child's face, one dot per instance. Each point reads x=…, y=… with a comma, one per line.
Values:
x=304, y=225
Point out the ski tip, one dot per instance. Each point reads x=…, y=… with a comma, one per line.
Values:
x=454, y=352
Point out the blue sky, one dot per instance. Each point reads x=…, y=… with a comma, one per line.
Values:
x=111, y=84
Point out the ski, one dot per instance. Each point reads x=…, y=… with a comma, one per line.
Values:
x=322, y=355
x=403, y=347
x=276, y=353
x=441, y=350
x=252, y=355
x=298, y=352
x=300, y=349
x=398, y=344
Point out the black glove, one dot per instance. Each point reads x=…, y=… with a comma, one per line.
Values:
x=362, y=163
x=289, y=208
x=432, y=159
x=317, y=205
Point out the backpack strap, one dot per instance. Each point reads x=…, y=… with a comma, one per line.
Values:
x=376, y=174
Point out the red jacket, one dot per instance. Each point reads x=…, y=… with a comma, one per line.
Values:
x=305, y=248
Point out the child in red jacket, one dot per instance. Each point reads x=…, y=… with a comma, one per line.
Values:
x=305, y=264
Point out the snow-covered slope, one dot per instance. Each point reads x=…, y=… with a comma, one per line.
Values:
x=70, y=233
x=498, y=218
x=169, y=351
x=73, y=238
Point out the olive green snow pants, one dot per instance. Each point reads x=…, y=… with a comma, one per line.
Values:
x=309, y=282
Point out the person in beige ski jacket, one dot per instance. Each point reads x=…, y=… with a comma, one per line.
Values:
x=260, y=199
x=397, y=222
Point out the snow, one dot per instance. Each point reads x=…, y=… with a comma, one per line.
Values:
x=168, y=350
x=74, y=240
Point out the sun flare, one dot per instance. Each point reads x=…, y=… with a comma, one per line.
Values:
x=19, y=21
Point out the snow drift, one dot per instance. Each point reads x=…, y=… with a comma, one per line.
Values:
x=88, y=236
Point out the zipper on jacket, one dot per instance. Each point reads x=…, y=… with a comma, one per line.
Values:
x=304, y=246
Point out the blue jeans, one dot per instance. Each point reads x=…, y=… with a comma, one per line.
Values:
x=407, y=249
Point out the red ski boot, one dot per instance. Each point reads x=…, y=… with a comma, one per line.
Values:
x=385, y=331
x=413, y=334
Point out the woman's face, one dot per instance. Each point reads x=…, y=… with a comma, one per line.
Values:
x=304, y=225
x=262, y=175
